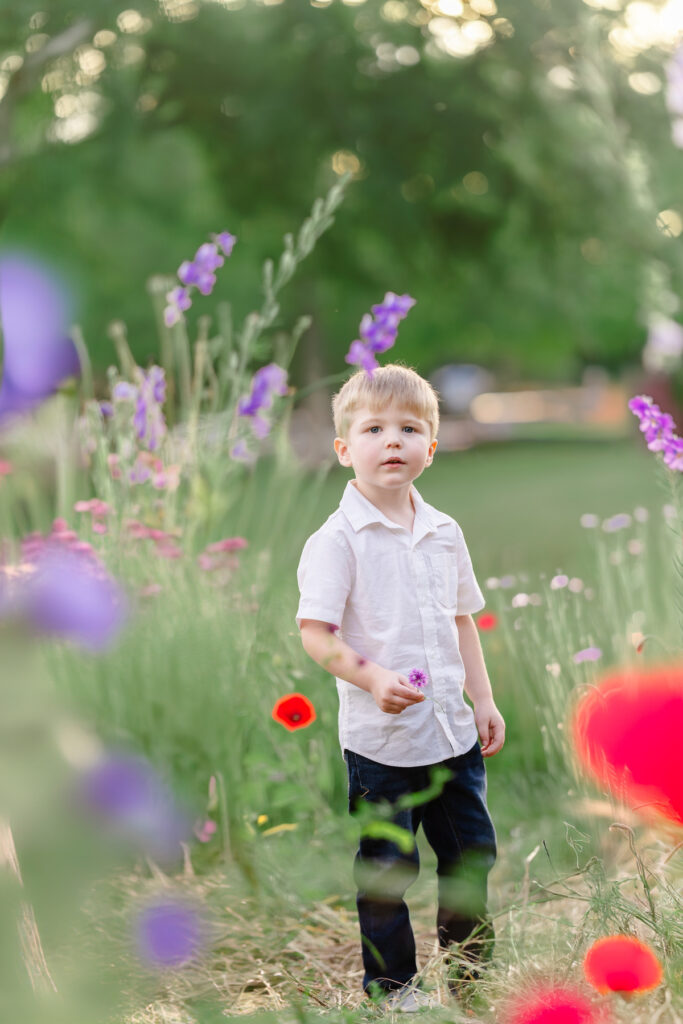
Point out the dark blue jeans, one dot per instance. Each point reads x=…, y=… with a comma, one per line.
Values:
x=459, y=830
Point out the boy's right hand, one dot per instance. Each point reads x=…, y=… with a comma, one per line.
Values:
x=392, y=692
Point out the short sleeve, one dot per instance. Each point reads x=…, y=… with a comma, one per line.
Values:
x=470, y=597
x=325, y=576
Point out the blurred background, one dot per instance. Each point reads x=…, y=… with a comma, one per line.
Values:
x=515, y=166
x=512, y=168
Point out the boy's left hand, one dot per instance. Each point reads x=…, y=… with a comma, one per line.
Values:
x=490, y=726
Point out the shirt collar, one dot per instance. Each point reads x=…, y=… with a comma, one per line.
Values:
x=361, y=512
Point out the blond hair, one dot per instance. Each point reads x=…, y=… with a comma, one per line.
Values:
x=390, y=384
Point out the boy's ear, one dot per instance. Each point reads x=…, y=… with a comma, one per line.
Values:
x=341, y=449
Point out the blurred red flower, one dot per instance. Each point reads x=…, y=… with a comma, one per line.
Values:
x=487, y=621
x=553, y=1004
x=625, y=733
x=622, y=963
x=294, y=711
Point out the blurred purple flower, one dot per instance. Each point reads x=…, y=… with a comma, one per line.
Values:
x=169, y=934
x=140, y=473
x=268, y=381
x=587, y=654
x=226, y=241
x=208, y=258
x=148, y=395
x=70, y=594
x=394, y=305
x=200, y=273
x=658, y=428
x=188, y=272
x=621, y=521
x=124, y=392
x=378, y=332
x=418, y=678
x=241, y=453
x=178, y=301
x=35, y=315
x=205, y=282
x=130, y=798
x=361, y=355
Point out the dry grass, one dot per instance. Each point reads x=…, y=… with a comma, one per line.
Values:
x=271, y=958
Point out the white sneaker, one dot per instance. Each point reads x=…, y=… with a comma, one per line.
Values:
x=408, y=1000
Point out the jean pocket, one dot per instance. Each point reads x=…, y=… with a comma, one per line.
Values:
x=444, y=572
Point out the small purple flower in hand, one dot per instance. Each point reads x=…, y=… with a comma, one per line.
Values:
x=418, y=678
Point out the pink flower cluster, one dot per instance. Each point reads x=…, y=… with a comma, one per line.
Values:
x=147, y=467
x=219, y=554
x=165, y=540
x=98, y=510
x=60, y=538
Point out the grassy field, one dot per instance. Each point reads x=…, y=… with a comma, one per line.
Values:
x=193, y=681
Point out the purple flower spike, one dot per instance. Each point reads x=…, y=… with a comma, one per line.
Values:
x=378, y=332
x=169, y=934
x=131, y=800
x=269, y=380
x=35, y=314
x=658, y=429
x=75, y=599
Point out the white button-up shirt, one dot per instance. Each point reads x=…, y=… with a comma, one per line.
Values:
x=394, y=596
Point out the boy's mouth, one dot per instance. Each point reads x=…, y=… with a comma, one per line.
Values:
x=393, y=461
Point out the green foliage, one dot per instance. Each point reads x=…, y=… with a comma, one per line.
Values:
x=228, y=120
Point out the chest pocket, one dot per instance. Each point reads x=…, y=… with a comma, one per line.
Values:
x=444, y=572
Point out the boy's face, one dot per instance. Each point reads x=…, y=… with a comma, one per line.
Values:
x=373, y=438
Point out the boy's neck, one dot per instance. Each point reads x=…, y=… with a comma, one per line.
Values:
x=395, y=505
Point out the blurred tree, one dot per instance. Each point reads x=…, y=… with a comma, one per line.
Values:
x=506, y=165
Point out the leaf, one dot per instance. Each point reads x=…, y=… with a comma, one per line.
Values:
x=404, y=839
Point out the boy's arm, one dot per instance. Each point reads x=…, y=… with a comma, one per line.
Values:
x=391, y=691
x=488, y=719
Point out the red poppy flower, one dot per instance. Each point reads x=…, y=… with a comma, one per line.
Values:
x=622, y=963
x=626, y=734
x=294, y=711
x=487, y=621
x=553, y=1004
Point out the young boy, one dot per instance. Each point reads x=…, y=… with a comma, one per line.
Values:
x=387, y=587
